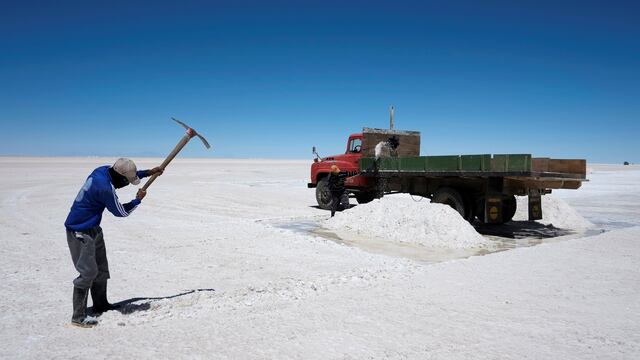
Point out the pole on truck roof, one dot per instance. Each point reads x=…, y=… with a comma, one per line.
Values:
x=391, y=110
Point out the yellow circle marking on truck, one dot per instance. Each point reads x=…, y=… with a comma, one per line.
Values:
x=493, y=213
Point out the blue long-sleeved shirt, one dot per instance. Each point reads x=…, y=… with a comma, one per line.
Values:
x=96, y=194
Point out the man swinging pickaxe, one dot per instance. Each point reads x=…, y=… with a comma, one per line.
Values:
x=185, y=139
x=84, y=234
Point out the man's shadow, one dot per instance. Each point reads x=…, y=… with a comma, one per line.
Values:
x=128, y=306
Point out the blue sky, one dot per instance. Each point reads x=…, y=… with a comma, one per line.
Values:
x=271, y=79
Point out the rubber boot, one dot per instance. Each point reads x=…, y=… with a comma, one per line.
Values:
x=79, y=317
x=99, y=297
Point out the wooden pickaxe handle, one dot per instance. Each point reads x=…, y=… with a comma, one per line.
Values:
x=185, y=139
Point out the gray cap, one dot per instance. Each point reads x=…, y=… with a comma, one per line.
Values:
x=127, y=168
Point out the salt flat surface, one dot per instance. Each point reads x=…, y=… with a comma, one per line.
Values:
x=610, y=198
x=556, y=212
x=269, y=292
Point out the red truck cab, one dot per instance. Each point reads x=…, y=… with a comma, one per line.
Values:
x=349, y=164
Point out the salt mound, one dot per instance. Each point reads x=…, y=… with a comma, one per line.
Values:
x=399, y=218
x=555, y=211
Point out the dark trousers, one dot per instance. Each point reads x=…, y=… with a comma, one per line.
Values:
x=339, y=201
x=89, y=256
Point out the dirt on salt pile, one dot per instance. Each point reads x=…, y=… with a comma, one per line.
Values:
x=403, y=219
x=555, y=211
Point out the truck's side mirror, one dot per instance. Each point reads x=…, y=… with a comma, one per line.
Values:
x=314, y=152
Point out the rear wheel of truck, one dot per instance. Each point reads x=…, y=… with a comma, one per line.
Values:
x=365, y=197
x=323, y=195
x=450, y=196
x=469, y=208
x=509, y=206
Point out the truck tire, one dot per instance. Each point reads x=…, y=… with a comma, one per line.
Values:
x=450, y=196
x=323, y=195
x=480, y=209
x=509, y=206
x=469, y=208
x=365, y=196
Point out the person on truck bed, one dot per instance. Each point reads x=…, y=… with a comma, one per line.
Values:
x=339, y=195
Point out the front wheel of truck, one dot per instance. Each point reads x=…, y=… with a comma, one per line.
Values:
x=323, y=195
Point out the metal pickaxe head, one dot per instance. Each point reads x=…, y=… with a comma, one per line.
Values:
x=191, y=132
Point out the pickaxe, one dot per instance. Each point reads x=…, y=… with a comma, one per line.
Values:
x=185, y=139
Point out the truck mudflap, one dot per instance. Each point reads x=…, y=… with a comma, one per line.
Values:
x=535, y=205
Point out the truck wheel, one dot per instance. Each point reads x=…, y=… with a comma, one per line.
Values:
x=480, y=209
x=451, y=197
x=469, y=208
x=509, y=206
x=365, y=197
x=323, y=195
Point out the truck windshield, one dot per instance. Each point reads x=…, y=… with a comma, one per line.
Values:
x=355, y=145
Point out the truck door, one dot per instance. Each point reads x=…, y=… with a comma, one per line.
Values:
x=354, y=148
